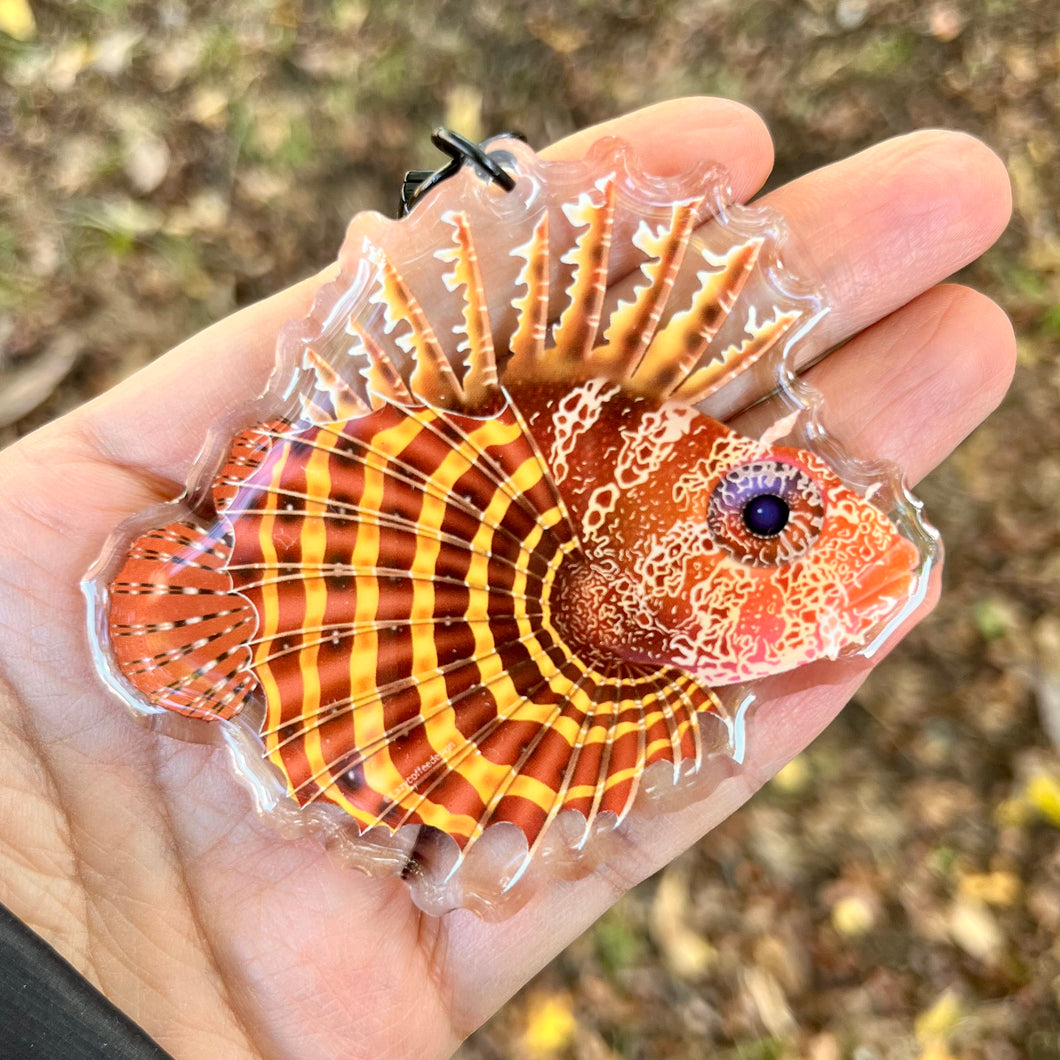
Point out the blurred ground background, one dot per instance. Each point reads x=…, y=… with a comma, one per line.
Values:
x=895, y=891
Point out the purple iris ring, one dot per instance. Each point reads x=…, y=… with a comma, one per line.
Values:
x=767, y=512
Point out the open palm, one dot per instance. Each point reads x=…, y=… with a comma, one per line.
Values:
x=141, y=859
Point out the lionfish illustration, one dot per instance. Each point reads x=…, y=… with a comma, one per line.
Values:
x=492, y=560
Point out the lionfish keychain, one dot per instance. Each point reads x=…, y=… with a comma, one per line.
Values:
x=485, y=560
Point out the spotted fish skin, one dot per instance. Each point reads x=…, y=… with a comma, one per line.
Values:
x=491, y=578
x=656, y=581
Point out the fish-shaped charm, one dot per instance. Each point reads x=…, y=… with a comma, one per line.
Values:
x=488, y=559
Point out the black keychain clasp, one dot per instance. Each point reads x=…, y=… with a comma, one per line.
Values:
x=460, y=150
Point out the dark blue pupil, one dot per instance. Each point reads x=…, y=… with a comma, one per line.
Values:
x=766, y=515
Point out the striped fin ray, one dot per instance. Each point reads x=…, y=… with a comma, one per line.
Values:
x=429, y=711
x=432, y=379
x=523, y=767
x=645, y=712
x=248, y=451
x=412, y=468
x=563, y=764
x=575, y=331
x=456, y=671
x=523, y=795
x=464, y=673
x=284, y=643
x=405, y=565
x=332, y=398
x=518, y=473
x=260, y=502
x=479, y=386
x=528, y=340
x=294, y=569
x=633, y=719
x=591, y=773
x=676, y=349
x=584, y=751
x=520, y=764
x=677, y=737
x=589, y=752
x=383, y=379
x=467, y=771
x=405, y=447
x=429, y=699
x=633, y=323
x=703, y=382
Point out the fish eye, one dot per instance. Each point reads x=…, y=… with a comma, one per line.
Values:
x=766, y=512
x=766, y=515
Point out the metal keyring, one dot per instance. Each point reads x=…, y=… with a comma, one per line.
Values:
x=460, y=150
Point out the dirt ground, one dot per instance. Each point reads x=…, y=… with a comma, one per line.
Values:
x=896, y=891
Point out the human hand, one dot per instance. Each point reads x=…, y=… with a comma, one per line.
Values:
x=141, y=859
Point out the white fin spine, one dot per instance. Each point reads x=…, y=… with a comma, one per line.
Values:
x=575, y=332
x=633, y=323
x=677, y=358
x=480, y=379
x=383, y=380
x=676, y=349
x=528, y=340
x=332, y=399
x=736, y=359
x=433, y=379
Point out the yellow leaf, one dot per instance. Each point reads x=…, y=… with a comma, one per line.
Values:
x=16, y=19
x=1043, y=793
x=934, y=1027
x=853, y=915
x=550, y=1025
x=935, y=1049
x=794, y=777
x=994, y=888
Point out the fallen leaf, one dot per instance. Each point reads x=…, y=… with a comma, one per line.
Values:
x=994, y=888
x=934, y=1026
x=1043, y=793
x=550, y=1025
x=974, y=928
x=23, y=388
x=687, y=953
x=794, y=777
x=16, y=19
x=854, y=915
x=147, y=162
x=769, y=1000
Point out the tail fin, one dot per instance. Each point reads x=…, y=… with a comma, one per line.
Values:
x=179, y=632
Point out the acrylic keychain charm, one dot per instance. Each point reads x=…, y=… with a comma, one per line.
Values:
x=485, y=563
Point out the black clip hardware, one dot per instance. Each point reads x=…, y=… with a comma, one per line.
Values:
x=418, y=182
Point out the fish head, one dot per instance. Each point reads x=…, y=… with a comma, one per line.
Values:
x=788, y=563
x=734, y=560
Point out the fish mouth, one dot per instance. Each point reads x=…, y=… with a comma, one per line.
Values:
x=875, y=591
